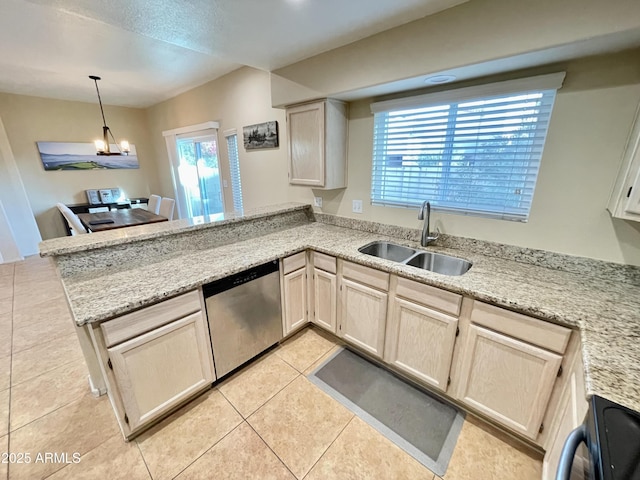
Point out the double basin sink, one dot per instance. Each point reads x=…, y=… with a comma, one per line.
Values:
x=434, y=262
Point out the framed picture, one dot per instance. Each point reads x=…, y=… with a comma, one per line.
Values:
x=261, y=135
x=82, y=156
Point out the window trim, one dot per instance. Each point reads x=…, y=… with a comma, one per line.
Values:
x=552, y=81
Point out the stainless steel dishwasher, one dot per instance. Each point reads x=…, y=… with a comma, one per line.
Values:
x=245, y=316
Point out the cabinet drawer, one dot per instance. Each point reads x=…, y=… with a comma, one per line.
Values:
x=537, y=332
x=294, y=262
x=135, y=323
x=430, y=296
x=324, y=262
x=366, y=275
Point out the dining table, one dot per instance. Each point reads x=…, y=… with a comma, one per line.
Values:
x=123, y=217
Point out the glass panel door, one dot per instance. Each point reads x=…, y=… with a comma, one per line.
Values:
x=199, y=175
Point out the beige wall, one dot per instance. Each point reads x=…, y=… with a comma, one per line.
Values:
x=591, y=120
x=234, y=100
x=28, y=120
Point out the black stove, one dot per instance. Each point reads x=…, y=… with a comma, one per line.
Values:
x=613, y=440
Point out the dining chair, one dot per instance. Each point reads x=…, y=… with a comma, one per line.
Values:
x=154, y=204
x=166, y=207
x=75, y=225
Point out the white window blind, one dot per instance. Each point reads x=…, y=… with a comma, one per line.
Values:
x=472, y=150
x=234, y=167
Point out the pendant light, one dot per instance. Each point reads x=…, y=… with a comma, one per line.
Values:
x=102, y=146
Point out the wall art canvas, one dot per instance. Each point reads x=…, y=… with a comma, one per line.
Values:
x=261, y=135
x=82, y=156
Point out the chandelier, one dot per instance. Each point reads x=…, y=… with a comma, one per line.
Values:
x=102, y=146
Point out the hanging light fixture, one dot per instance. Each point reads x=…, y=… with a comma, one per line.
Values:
x=102, y=146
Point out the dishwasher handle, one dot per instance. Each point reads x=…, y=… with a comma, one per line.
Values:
x=571, y=444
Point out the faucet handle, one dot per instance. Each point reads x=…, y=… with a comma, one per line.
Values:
x=433, y=236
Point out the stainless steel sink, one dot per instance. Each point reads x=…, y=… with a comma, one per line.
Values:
x=434, y=262
x=388, y=251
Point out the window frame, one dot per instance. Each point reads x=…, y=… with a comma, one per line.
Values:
x=450, y=100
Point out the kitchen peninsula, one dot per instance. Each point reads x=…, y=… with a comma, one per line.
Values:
x=595, y=303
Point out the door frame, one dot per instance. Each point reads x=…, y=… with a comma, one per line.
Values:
x=170, y=137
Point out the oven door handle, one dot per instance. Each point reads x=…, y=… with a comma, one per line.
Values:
x=571, y=444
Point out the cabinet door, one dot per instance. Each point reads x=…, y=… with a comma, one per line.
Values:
x=633, y=203
x=295, y=300
x=305, y=125
x=325, y=296
x=160, y=369
x=572, y=410
x=508, y=380
x=363, y=314
x=420, y=341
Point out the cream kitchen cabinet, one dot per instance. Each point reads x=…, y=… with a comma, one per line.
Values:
x=155, y=359
x=324, y=292
x=508, y=366
x=421, y=331
x=363, y=307
x=295, y=292
x=317, y=136
x=624, y=202
x=571, y=412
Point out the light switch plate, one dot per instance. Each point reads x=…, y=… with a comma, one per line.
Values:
x=317, y=202
x=357, y=206
x=224, y=183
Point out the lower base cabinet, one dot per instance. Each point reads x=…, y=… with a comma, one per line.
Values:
x=155, y=359
x=295, y=300
x=363, y=313
x=295, y=297
x=160, y=369
x=507, y=380
x=420, y=341
x=324, y=299
x=571, y=412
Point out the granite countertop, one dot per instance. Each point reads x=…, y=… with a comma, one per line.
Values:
x=606, y=312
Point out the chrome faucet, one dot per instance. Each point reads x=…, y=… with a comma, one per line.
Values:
x=426, y=235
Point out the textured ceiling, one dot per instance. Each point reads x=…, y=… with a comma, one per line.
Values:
x=149, y=50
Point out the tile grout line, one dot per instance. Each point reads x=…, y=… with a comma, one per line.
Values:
x=207, y=450
x=353, y=415
x=144, y=460
x=272, y=451
x=43, y=373
x=302, y=372
x=265, y=402
x=48, y=413
x=88, y=451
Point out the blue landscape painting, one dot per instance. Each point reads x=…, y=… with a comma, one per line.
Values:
x=82, y=156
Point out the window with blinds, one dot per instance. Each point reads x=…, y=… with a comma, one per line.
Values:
x=472, y=151
x=234, y=168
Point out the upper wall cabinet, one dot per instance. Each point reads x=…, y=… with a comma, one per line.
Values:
x=317, y=134
x=625, y=198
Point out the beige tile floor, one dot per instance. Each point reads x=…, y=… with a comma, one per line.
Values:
x=265, y=422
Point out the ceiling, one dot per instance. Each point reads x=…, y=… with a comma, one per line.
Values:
x=147, y=51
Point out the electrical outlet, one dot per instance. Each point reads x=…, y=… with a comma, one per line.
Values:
x=357, y=206
x=224, y=183
x=317, y=202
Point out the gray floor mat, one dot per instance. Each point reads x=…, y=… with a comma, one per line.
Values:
x=423, y=426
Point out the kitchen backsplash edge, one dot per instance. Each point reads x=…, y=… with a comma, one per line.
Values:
x=614, y=272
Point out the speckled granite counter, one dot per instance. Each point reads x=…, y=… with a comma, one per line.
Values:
x=604, y=309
